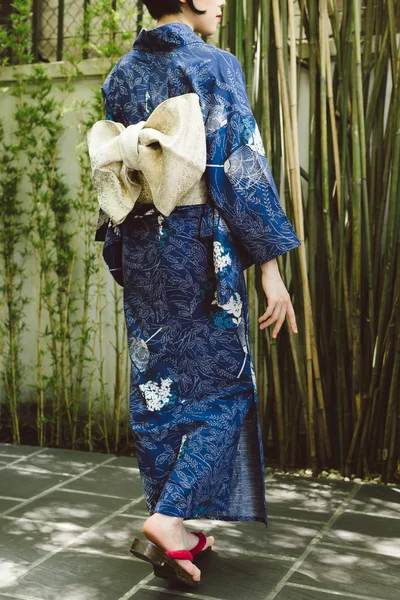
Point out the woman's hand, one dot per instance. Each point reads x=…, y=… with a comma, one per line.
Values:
x=278, y=299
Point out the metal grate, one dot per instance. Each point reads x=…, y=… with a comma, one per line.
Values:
x=58, y=28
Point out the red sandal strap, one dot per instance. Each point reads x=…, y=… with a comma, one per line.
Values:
x=180, y=554
x=202, y=542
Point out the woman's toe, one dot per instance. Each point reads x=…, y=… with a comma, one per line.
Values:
x=190, y=568
x=210, y=541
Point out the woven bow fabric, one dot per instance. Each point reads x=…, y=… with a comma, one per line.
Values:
x=169, y=149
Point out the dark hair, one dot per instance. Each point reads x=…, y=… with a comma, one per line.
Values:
x=159, y=8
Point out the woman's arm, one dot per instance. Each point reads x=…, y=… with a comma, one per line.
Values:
x=243, y=188
x=239, y=177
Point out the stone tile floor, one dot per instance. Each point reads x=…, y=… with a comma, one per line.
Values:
x=67, y=519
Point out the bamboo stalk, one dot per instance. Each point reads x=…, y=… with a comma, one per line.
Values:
x=299, y=230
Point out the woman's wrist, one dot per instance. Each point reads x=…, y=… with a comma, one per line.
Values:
x=270, y=267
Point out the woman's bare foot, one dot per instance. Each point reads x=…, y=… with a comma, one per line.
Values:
x=170, y=534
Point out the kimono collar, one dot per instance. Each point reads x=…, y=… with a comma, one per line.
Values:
x=167, y=37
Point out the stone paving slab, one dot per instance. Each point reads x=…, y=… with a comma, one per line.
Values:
x=113, y=538
x=305, y=497
x=82, y=577
x=350, y=571
x=68, y=520
x=7, y=503
x=235, y=575
x=378, y=500
x=307, y=593
x=54, y=462
x=61, y=507
x=138, y=510
x=358, y=531
x=17, y=482
x=283, y=539
x=150, y=594
x=17, y=450
x=124, y=483
x=23, y=542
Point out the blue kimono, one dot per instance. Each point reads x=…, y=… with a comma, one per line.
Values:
x=193, y=396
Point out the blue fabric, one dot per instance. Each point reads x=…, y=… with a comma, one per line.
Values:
x=192, y=408
x=193, y=396
x=248, y=221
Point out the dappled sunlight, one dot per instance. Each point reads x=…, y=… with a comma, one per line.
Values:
x=28, y=541
x=31, y=468
x=80, y=592
x=347, y=569
x=9, y=572
x=358, y=552
x=383, y=507
x=388, y=547
x=21, y=527
x=200, y=524
x=53, y=463
x=54, y=512
x=23, y=470
x=281, y=536
x=106, y=539
x=316, y=501
x=367, y=541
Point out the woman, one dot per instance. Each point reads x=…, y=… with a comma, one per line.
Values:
x=193, y=398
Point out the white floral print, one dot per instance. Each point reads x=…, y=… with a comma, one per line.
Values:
x=233, y=306
x=255, y=142
x=221, y=259
x=156, y=396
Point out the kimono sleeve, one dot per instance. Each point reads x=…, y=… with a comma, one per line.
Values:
x=239, y=177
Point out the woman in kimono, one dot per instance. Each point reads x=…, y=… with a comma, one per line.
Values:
x=193, y=397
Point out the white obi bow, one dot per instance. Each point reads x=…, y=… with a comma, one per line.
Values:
x=169, y=149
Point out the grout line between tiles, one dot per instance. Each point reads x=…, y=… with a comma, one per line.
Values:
x=17, y=596
x=71, y=490
x=172, y=592
x=338, y=512
x=22, y=458
x=38, y=470
x=137, y=587
x=369, y=514
x=357, y=548
x=58, y=524
x=295, y=519
x=124, y=468
x=93, y=551
x=12, y=498
x=55, y=487
x=50, y=554
x=272, y=556
x=345, y=595
x=6, y=454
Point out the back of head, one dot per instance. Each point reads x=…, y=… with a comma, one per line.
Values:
x=161, y=8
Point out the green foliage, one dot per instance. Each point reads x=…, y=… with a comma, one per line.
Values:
x=51, y=227
x=17, y=38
